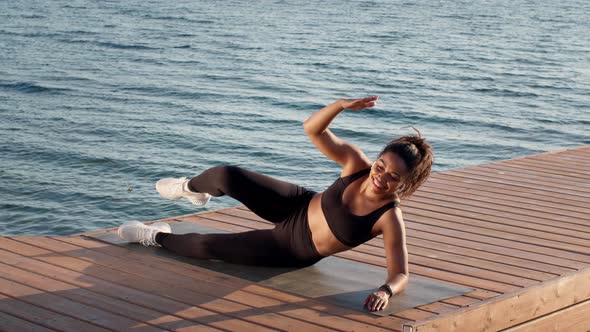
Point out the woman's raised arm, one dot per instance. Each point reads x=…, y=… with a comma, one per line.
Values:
x=316, y=126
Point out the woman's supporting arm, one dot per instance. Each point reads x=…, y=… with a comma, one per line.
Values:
x=396, y=255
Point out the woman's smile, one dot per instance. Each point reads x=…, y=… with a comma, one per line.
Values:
x=377, y=184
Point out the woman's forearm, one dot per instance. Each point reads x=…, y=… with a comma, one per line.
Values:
x=319, y=121
x=398, y=282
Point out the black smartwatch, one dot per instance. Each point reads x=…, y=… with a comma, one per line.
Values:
x=387, y=289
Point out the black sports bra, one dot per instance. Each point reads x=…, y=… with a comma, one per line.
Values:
x=348, y=228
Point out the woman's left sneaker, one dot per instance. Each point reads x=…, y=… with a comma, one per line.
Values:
x=178, y=188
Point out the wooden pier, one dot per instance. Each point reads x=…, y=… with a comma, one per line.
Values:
x=513, y=236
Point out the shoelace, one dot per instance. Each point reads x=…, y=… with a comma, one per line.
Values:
x=148, y=242
x=147, y=235
x=197, y=198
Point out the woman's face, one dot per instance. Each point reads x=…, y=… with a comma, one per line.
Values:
x=387, y=173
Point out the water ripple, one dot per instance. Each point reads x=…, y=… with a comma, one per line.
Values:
x=100, y=99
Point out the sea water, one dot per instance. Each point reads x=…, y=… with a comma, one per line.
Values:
x=99, y=99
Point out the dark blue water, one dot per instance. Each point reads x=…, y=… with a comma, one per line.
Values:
x=99, y=99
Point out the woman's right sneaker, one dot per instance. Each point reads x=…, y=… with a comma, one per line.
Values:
x=137, y=232
x=178, y=188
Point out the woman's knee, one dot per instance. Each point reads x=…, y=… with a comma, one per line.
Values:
x=216, y=181
x=201, y=246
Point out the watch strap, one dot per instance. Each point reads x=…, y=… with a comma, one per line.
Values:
x=386, y=288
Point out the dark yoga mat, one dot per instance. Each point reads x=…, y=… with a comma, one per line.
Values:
x=333, y=279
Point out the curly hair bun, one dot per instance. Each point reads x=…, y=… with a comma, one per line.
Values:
x=418, y=155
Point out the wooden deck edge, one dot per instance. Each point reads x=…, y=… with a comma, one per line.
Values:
x=512, y=308
x=495, y=162
x=169, y=219
x=573, y=318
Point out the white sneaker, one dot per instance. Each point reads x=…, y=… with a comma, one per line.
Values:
x=162, y=227
x=174, y=189
x=137, y=232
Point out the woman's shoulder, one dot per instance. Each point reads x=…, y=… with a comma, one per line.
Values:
x=392, y=219
x=355, y=167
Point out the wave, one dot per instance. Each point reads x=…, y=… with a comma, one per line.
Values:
x=32, y=16
x=125, y=46
x=504, y=92
x=25, y=87
x=178, y=18
x=30, y=34
x=107, y=44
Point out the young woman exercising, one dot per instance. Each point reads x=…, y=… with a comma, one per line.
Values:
x=361, y=204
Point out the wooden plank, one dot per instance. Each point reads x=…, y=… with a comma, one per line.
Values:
x=514, y=308
x=190, y=315
x=515, y=180
x=565, y=162
x=488, y=184
x=66, y=307
x=502, y=200
x=454, y=263
x=439, y=307
x=514, y=227
x=533, y=261
x=545, y=167
x=495, y=286
x=560, y=256
x=471, y=218
x=9, y=323
x=500, y=272
x=440, y=242
x=89, y=296
x=523, y=177
x=331, y=280
x=571, y=154
x=534, y=174
x=44, y=317
x=488, y=207
x=379, y=244
x=355, y=255
x=574, y=318
x=201, y=274
x=500, y=263
x=537, y=262
x=236, y=294
x=512, y=232
x=481, y=294
x=550, y=175
x=504, y=190
x=546, y=225
x=483, y=219
x=215, y=310
x=457, y=214
x=443, y=275
x=266, y=313
x=543, y=161
x=461, y=301
x=415, y=314
x=518, y=185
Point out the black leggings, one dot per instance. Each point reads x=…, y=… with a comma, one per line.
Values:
x=289, y=243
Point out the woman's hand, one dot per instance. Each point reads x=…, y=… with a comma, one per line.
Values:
x=359, y=104
x=377, y=300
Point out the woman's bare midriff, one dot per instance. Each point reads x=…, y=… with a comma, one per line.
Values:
x=324, y=240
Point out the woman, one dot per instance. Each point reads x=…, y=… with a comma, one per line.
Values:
x=361, y=204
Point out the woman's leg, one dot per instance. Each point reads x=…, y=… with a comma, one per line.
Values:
x=269, y=198
x=258, y=247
